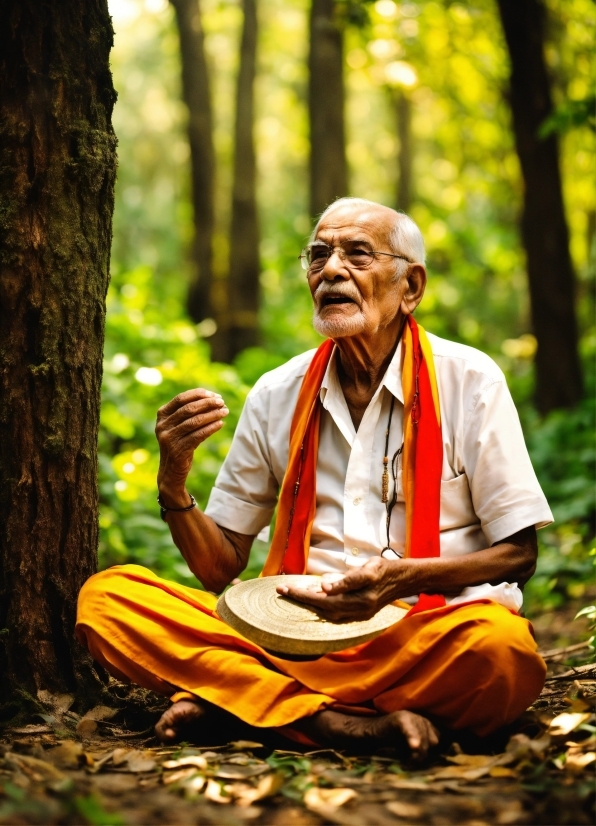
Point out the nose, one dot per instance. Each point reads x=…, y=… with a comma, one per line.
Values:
x=334, y=267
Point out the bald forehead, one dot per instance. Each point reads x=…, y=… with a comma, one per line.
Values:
x=375, y=219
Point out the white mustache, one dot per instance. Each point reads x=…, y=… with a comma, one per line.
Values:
x=326, y=288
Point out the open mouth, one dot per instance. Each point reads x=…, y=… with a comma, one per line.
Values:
x=338, y=298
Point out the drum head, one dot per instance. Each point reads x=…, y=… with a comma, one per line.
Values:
x=286, y=627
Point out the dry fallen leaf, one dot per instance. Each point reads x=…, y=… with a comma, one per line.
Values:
x=38, y=770
x=177, y=776
x=100, y=713
x=67, y=755
x=243, y=745
x=577, y=761
x=32, y=729
x=138, y=762
x=233, y=772
x=317, y=798
x=406, y=810
x=195, y=760
x=194, y=785
x=460, y=773
x=96, y=764
x=120, y=756
x=86, y=727
x=502, y=771
x=475, y=761
x=266, y=787
x=567, y=722
x=521, y=747
x=213, y=792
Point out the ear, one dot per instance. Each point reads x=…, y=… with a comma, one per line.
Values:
x=416, y=284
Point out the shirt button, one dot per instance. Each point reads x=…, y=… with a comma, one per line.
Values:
x=355, y=551
x=357, y=501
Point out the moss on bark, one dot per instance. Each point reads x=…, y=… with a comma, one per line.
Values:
x=57, y=173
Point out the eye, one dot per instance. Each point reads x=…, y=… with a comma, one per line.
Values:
x=317, y=253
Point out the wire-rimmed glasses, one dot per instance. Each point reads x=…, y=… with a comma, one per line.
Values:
x=314, y=256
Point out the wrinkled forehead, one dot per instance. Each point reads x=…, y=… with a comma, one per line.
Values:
x=371, y=224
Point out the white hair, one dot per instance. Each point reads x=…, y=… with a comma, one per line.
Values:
x=405, y=237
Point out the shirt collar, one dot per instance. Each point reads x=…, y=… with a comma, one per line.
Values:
x=391, y=380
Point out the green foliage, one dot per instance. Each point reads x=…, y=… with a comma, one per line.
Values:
x=148, y=362
x=451, y=61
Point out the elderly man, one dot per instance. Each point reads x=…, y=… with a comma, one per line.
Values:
x=397, y=460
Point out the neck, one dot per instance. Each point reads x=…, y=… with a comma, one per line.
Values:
x=362, y=362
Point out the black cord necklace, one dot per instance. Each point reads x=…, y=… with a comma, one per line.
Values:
x=390, y=503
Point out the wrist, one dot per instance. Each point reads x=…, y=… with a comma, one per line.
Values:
x=173, y=496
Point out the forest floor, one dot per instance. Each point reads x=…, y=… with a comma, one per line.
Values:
x=107, y=767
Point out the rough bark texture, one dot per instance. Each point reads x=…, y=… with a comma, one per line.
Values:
x=241, y=329
x=57, y=171
x=196, y=94
x=544, y=228
x=403, y=114
x=328, y=167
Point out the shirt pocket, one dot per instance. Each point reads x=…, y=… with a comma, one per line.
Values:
x=457, y=510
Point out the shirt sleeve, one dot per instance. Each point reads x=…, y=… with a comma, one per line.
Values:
x=245, y=493
x=506, y=494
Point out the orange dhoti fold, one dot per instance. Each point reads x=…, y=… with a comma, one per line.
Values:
x=470, y=666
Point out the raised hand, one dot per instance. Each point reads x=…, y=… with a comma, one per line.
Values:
x=182, y=425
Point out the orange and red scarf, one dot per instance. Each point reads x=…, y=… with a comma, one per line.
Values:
x=421, y=467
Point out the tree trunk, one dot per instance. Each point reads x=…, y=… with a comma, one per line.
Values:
x=57, y=172
x=241, y=329
x=403, y=114
x=544, y=228
x=196, y=94
x=328, y=167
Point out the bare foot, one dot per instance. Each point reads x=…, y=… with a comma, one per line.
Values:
x=399, y=728
x=178, y=717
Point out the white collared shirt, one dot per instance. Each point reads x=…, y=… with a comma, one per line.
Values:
x=488, y=490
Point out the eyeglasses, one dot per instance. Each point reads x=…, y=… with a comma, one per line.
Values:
x=314, y=256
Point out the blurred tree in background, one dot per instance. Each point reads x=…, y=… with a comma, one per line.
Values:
x=244, y=291
x=544, y=226
x=196, y=91
x=326, y=101
x=426, y=95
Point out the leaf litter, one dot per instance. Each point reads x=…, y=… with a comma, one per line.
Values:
x=541, y=775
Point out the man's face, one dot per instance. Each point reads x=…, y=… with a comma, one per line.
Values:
x=349, y=301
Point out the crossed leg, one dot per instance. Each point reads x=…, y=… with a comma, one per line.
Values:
x=471, y=667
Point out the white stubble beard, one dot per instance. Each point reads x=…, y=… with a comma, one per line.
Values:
x=338, y=326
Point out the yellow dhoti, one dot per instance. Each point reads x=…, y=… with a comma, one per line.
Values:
x=472, y=666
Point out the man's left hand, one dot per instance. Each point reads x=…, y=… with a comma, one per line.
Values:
x=361, y=593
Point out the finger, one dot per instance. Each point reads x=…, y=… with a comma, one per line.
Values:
x=188, y=411
x=415, y=736
x=301, y=594
x=196, y=422
x=190, y=441
x=184, y=398
x=337, y=609
x=434, y=735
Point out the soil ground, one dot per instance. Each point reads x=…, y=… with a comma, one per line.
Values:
x=107, y=768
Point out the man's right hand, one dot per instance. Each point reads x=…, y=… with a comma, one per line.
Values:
x=182, y=424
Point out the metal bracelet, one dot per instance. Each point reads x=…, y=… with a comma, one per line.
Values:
x=163, y=510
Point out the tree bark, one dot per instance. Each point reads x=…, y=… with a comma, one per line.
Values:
x=328, y=167
x=57, y=172
x=196, y=95
x=544, y=228
x=241, y=329
x=403, y=114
